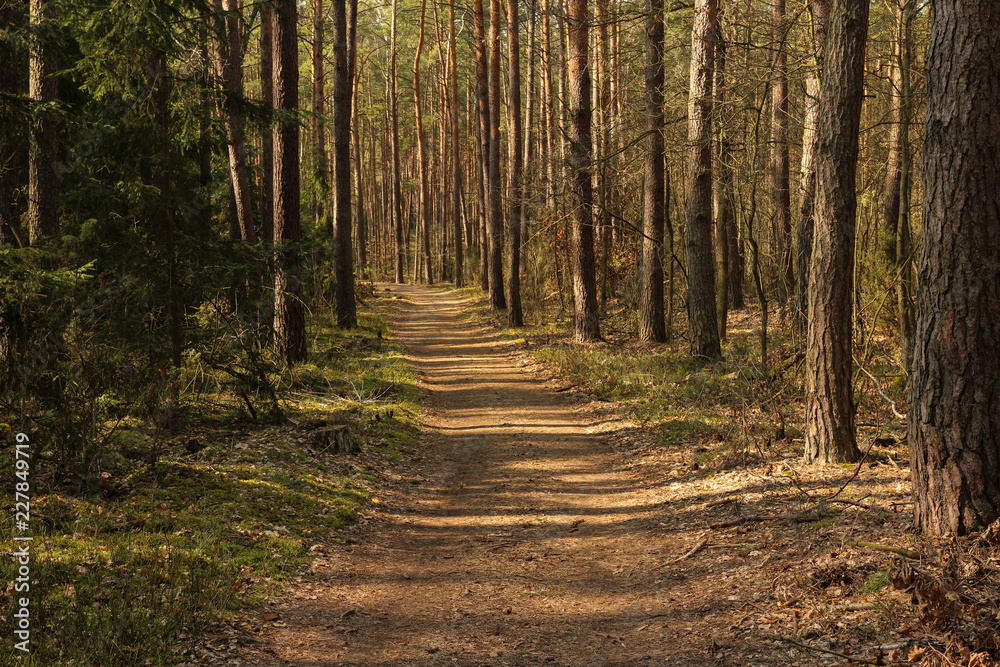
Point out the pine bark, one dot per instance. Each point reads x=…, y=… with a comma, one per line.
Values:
x=954, y=432
x=359, y=188
x=725, y=218
x=289, y=316
x=267, y=138
x=343, y=89
x=456, y=200
x=318, y=109
x=43, y=147
x=779, y=154
x=582, y=190
x=397, y=187
x=702, y=315
x=482, y=128
x=494, y=215
x=424, y=203
x=830, y=433
x=9, y=217
x=652, y=325
x=515, y=164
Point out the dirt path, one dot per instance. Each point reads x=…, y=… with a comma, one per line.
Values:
x=520, y=545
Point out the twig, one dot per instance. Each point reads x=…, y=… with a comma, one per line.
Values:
x=692, y=551
x=870, y=508
x=850, y=479
x=892, y=403
x=828, y=652
x=899, y=551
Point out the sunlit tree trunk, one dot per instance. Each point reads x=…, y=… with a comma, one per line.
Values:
x=423, y=198
x=43, y=148
x=830, y=434
x=456, y=201
x=515, y=164
x=494, y=213
x=342, y=96
x=267, y=136
x=779, y=148
x=725, y=218
x=483, y=130
x=397, y=187
x=318, y=109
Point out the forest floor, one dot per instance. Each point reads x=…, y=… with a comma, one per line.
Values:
x=539, y=524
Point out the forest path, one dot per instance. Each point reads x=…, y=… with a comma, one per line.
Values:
x=520, y=545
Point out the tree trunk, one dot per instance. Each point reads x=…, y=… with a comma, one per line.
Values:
x=725, y=219
x=779, y=155
x=267, y=136
x=904, y=249
x=289, y=317
x=652, y=326
x=397, y=186
x=9, y=218
x=701, y=258
x=807, y=183
x=423, y=197
x=43, y=147
x=954, y=432
x=343, y=85
x=456, y=201
x=494, y=215
x=318, y=109
x=359, y=190
x=830, y=435
x=515, y=164
x=582, y=191
x=483, y=128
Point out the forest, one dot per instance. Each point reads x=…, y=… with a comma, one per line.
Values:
x=522, y=332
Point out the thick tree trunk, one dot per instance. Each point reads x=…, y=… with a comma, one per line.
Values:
x=830, y=435
x=582, y=194
x=289, y=316
x=397, y=187
x=456, y=201
x=342, y=95
x=701, y=257
x=652, y=325
x=807, y=183
x=267, y=138
x=954, y=432
x=43, y=148
x=494, y=213
x=779, y=154
x=515, y=164
x=228, y=47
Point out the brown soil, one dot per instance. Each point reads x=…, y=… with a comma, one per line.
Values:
x=518, y=535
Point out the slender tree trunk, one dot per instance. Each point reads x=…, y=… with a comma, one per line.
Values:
x=359, y=190
x=267, y=136
x=515, y=164
x=582, y=195
x=549, y=111
x=954, y=432
x=43, y=147
x=528, y=182
x=397, y=187
x=456, y=201
x=830, y=435
x=494, y=215
x=10, y=228
x=289, y=316
x=483, y=128
x=423, y=198
x=779, y=155
x=701, y=257
x=604, y=106
x=342, y=96
x=904, y=249
x=318, y=109
x=725, y=219
x=652, y=326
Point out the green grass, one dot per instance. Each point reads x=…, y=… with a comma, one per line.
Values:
x=188, y=540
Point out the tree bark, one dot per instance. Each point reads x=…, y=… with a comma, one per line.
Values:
x=701, y=258
x=954, y=432
x=289, y=316
x=9, y=217
x=483, y=129
x=582, y=191
x=807, y=183
x=318, y=109
x=359, y=189
x=725, y=219
x=779, y=155
x=652, y=325
x=830, y=434
x=422, y=178
x=494, y=222
x=267, y=138
x=456, y=201
x=515, y=164
x=343, y=86
x=43, y=147
x=397, y=187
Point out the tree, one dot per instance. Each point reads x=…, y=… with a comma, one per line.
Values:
x=228, y=47
x=582, y=194
x=701, y=258
x=343, y=85
x=830, y=435
x=318, y=109
x=424, y=202
x=494, y=213
x=779, y=149
x=397, y=187
x=289, y=317
x=483, y=145
x=43, y=147
x=267, y=136
x=515, y=165
x=9, y=226
x=810, y=139
x=955, y=384
x=725, y=217
x=456, y=191
x=652, y=325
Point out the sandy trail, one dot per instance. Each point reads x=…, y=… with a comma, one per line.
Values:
x=521, y=545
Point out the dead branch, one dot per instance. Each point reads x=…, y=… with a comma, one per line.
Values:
x=899, y=551
x=816, y=649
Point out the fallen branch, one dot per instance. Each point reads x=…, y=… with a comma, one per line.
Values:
x=816, y=649
x=692, y=551
x=899, y=551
